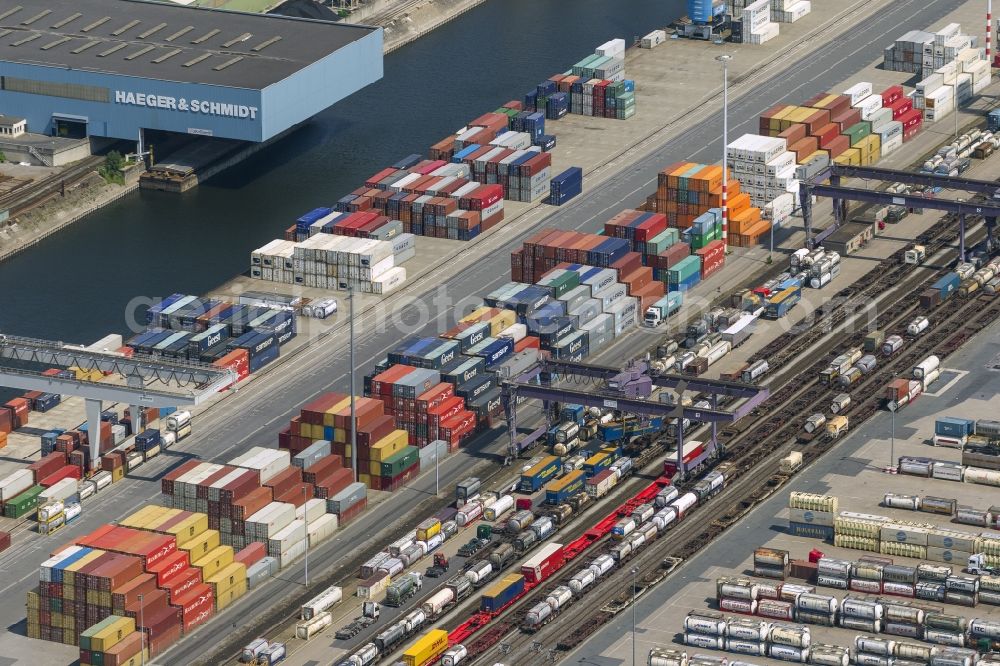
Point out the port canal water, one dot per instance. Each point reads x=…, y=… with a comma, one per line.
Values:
x=76, y=285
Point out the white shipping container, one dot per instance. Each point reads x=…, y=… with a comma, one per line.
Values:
x=322, y=528
x=15, y=484
x=61, y=490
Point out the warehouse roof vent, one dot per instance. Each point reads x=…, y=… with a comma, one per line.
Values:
x=95, y=24
x=67, y=20
x=30, y=38
x=228, y=63
x=128, y=26
x=153, y=30
x=12, y=10
x=53, y=44
x=144, y=50
x=236, y=40
x=263, y=45
x=41, y=14
x=208, y=35
x=169, y=54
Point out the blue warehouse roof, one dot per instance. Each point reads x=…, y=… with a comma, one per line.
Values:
x=166, y=41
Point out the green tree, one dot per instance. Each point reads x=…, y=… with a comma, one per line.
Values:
x=111, y=171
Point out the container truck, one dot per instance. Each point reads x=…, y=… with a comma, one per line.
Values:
x=401, y=590
x=658, y=312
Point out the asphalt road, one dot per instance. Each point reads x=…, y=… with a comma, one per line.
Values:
x=254, y=417
x=731, y=549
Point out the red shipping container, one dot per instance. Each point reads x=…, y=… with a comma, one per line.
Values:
x=447, y=410
x=251, y=503
x=527, y=342
x=313, y=411
x=901, y=106
x=151, y=604
x=627, y=264
x=344, y=517
x=196, y=606
x=252, y=554
x=333, y=484
x=6, y=419
x=4, y=540
x=297, y=494
x=712, y=257
x=794, y=133
x=167, y=482
x=169, y=567
x=390, y=484
x=66, y=472
x=891, y=94
x=48, y=465
x=284, y=480
x=911, y=118
x=434, y=397
x=128, y=593
x=123, y=652
x=550, y=564
x=182, y=583
x=911, y=132
x=238, y=361
x=838, y=145
x=150, y=548
x=166, y=636
x=21, y=408
x=826, y=134
x=322, y=468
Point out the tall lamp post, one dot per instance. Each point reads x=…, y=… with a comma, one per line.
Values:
x=354, y=421
x=724, y=59
x=142, y=635
x=634, y=572
x=305, y=528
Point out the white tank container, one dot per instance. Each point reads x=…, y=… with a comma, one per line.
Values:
x=734, y=591
x=504, y=504
x=745, y=606
x=740, y=646
x=178, y=420
x=702, y=624
x=438, y=601
x=469, y=513
x=872, y=645
x=454, y=656
x=798, y=637
x=537, y=614
x=862, y=608
x=559, y=597
x=602, y=565
x=684, y=503
x=479, y=572
x=581, y=581
x=788, y=653
x=918, y=326
x=821, y=603
x=703, y=641
x=745, y=629
x=665, y=517
x=921, y=369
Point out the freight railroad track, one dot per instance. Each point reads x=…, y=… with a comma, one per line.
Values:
x=37, y=193
x=750, y=481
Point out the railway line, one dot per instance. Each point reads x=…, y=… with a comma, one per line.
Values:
x=752, y=452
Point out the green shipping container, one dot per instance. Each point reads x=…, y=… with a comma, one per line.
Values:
x=683, y=269
x=662, y=241
x=86, y=634
x=484, y=531
x=400, y=462
x=858, y=131
x=24, y=504
x=565, y=282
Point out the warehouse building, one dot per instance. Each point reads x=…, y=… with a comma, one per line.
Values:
x=114, y=68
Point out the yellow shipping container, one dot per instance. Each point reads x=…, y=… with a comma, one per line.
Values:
x=389, y=445
x=110, y=636
x=135, y=660
x=69, y=573
x=165, y=516
x=117, y=474
x=215, y=561
x=429, y=646
x=229, y=596
x=69, y=592
x=34, y=630
x=328, y=415
x=139, y=518
x=428, y=529
x=812, y=156
x=70, y=637
x=228, y=577
x=799, y=115
x=363, y=477
x=502, y=321
x=475, y=314
x=33, y=600
x=201, y=545
x=188, y=529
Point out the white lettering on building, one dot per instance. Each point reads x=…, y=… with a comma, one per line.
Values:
x=222, y=109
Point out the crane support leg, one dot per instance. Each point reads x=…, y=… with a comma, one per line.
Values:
x=961, y=237
x=94, y=408
x=991, y=223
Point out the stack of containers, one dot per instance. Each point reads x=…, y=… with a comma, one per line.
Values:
x=812, y=515
x=765, y=168
x=831, y=572
x=565, y=186
x=739, y=594
x=757, y=25
x=705, y=629
x=770, y=563
x=907, y=53
x=542, y=251
x=789, y=11
x=812, y=608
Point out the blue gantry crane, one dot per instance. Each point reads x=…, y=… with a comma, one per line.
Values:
x=989, y=209
x=626, y=390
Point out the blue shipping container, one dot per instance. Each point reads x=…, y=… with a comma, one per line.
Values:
x=263, y=358
x=950, y=426
x=947, y=285
x=536, y=477
x=546, y=142
x=493, y=600
x=476, y=388
x=155, y=309
x=463, y=370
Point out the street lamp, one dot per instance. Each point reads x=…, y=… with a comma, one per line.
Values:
x=305, y=528
x=354, y=422
x=892, y=439
x=142, y=635
x=634, y=572
x=724, y=59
